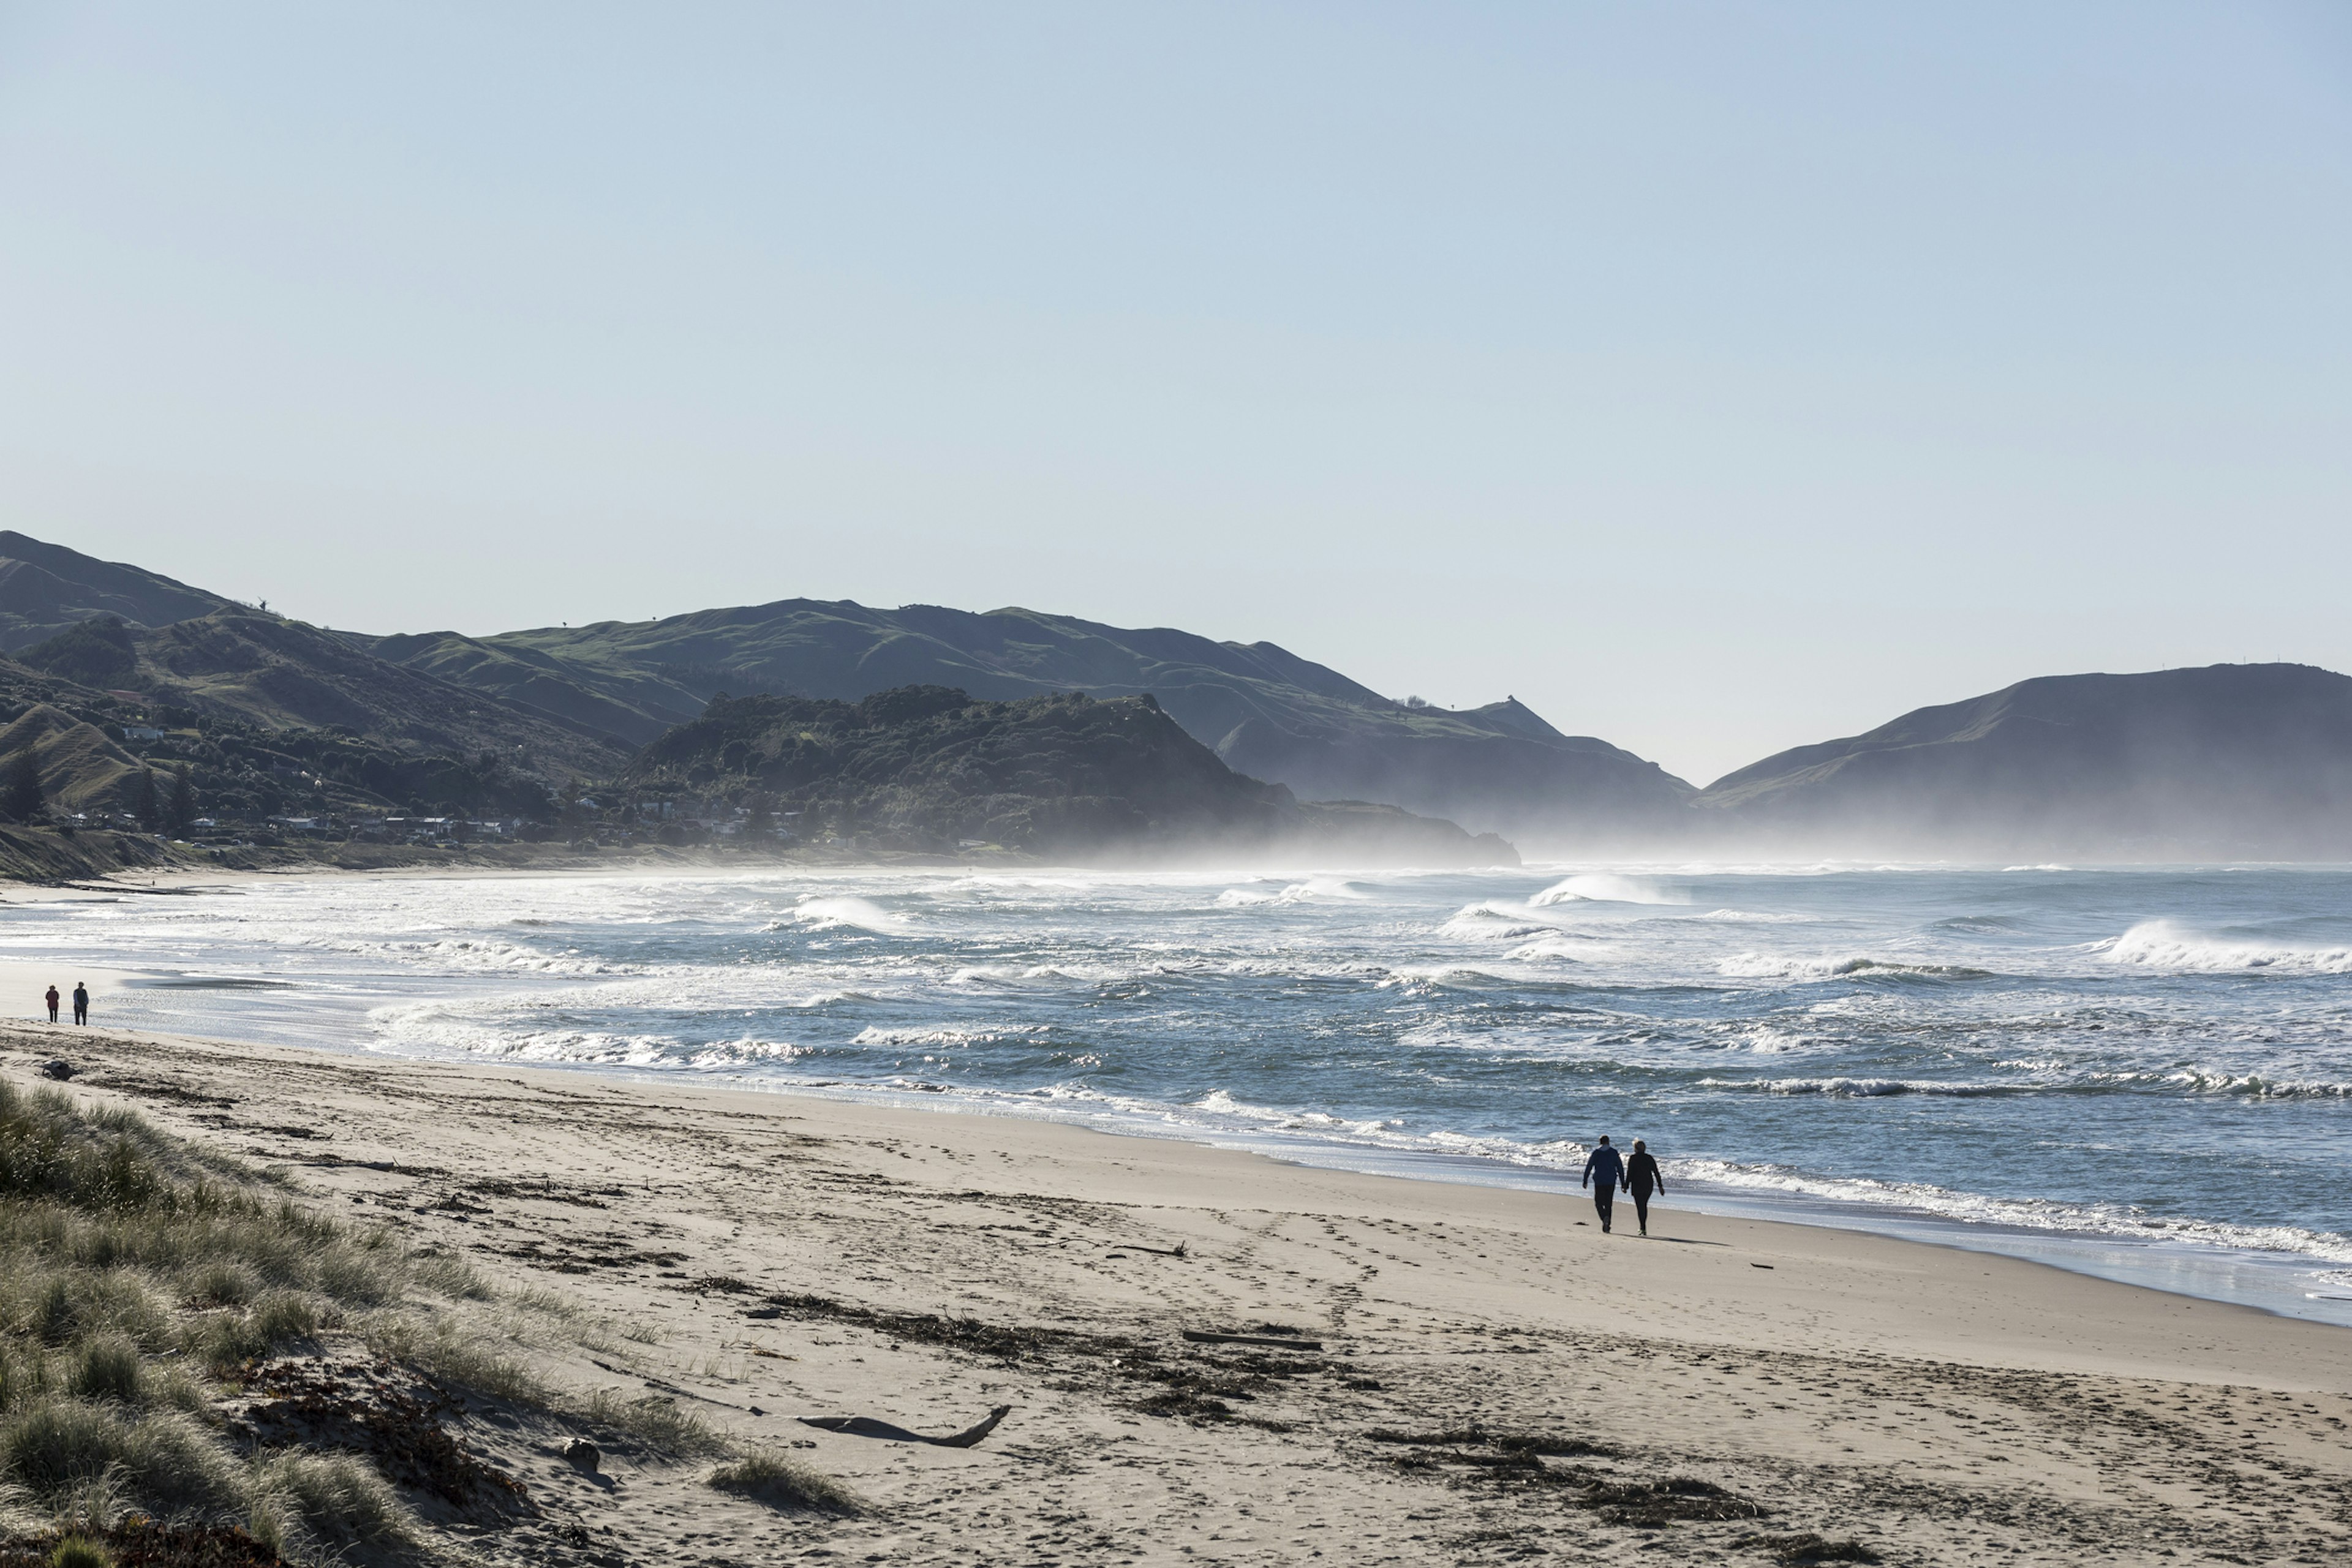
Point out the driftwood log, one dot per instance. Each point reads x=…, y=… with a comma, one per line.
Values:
x=866, y=1427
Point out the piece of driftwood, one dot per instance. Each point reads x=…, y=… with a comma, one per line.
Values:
x=1199, y=1337
x=866, y=1427
x=1175, y=1251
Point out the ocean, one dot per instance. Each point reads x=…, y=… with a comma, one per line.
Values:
x=2140, y=1073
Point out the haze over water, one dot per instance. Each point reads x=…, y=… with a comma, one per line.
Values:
x=2152, y=1068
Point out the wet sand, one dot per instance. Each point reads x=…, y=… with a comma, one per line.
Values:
x=1491, y=1379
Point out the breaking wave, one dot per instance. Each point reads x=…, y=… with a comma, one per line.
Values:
x=832, y=912
x=2164, y=944
x=1604, y=888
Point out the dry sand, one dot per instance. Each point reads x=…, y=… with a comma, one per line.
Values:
x=761, y=1258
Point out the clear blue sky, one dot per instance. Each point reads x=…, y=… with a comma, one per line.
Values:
x=1714, y=377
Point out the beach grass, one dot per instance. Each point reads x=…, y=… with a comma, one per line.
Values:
x=142, y=1282
x=139, y=1280
x=767, y=1477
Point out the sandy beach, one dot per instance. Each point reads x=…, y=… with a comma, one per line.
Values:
x=1428, y=1373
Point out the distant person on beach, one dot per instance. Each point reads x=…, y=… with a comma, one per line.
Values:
x=53, y=1003
x=82, y=1009
x=1642, y=1173
x=1602, y=1173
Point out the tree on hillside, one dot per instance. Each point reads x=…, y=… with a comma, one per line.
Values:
x=20, y=793
x=184, y=800
x=144, y=803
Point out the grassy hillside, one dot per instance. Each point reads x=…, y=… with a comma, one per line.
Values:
x=930, y=768
x=2230, y=761
x=262, y=673
x=1264, y=711
x=46, y=588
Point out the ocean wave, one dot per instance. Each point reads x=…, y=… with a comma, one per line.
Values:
x=484, y=955
x=2164, y=944
x=1865, y=1088
x=1493, y=921
x=948, y=1037
x=2251, y=1086
x=1562, y=945
x=2123, y=1221
x=834, y=911
x=1313, y=888
x=1604, y=888
x=1777, y=966
x=444, y=1027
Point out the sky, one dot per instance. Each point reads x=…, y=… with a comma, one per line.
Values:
x=1713, y=377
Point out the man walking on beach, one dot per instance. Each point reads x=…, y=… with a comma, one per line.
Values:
x=1602, y=1173
x=1642, y=1173
x=81, y=1008
x=52, y=1000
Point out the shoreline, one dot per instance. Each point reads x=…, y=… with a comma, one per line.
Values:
x=2268, y=1281
x=910, y=1113
x=1721, y=1389
x=2210, y=1268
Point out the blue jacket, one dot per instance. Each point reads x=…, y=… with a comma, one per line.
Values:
x=1604, y=1164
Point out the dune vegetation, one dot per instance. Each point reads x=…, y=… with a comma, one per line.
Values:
x=198, y=1367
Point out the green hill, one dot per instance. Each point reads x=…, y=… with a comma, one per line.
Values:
x=47, y=588
x=270, y=673
x=2228, y=761
x=81, y=769
x=931, y=768
x=1264, y=710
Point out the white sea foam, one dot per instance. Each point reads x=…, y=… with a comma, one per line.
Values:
x=481, y=956
x=1861, y=1087
x=1560, y=946
x=947, y=1038
x=1780, y=966
x=1494, y=921
x=1604, y=888
x=2029, y=1214
x=830, y=912
x=2166, y=945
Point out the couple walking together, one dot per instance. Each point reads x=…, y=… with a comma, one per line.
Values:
x=1606, y=1171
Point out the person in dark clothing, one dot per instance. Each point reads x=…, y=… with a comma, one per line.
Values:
x=1602, y=1173
x=1642, y=1173
x=81, y=1003
x=52, y=1000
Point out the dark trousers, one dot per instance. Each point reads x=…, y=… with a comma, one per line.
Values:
x=1603, y=1196
x=1642, y=1206
x=81, y=1015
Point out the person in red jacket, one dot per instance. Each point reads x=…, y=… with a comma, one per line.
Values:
x=52, y=1000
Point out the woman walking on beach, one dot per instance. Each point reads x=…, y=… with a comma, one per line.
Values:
x=1642, y=1173
x=52, y=1000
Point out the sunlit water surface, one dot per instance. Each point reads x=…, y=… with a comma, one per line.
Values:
x=2142, y=1073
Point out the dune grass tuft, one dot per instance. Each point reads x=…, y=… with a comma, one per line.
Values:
x=80, y=1552
x=108, y=1368
x=328, y=1504
x=765, y=1476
